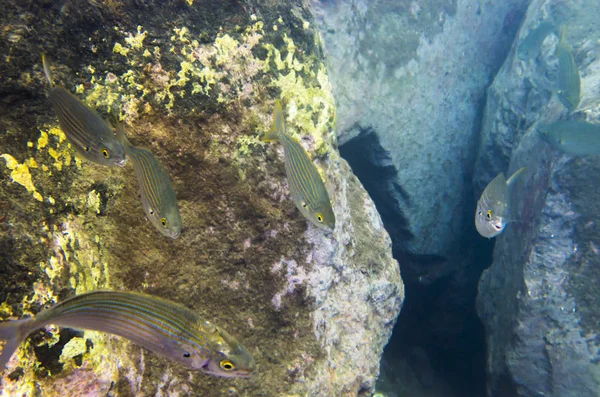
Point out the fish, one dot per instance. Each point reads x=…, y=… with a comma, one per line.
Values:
x=156, y=188
x=90, y=135
x=568, y=84
x=532, y=43
x=579, y=138
x=159, y=325
x=491, y=215
x=306, y=186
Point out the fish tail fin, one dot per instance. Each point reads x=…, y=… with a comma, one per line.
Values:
x=47, y=70
x=515, y=176
x=13, y=333
x=122, y=138
x=278, y=124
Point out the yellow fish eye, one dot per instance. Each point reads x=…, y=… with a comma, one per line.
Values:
x=320, y=217
x=226, y=365
x=489, y=214
x=163, y=222
x=105, y=153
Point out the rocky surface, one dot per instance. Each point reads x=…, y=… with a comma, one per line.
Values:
x=415, y=73
x=539, y=299
x=195, y=83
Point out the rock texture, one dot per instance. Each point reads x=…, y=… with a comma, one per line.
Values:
x=539, y=299
x=195, y=83
x=415, y=73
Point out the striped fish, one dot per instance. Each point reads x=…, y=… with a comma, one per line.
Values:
x=306, y=186
x=90, y=135
x=568, y=86
x=159, y=325
x=156, y=189
x=491, y=215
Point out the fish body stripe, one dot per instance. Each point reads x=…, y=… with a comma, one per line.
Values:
x=72, y=125
x=302, y=172
x=152, y=177
x=122, y=312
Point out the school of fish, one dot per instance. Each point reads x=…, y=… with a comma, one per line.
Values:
x=164, y=327
x=574, y=137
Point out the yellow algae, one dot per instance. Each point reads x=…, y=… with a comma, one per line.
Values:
x=31, y=163
x=42, y=140
x=29, y=144
x=91, y=69
x=57, y=158
x=20, y=174
x=59, y=133
x=119, y=49
x=79, y=89
x=72, y=348
x=93, y=201
x=51, y=200
x=136, y=41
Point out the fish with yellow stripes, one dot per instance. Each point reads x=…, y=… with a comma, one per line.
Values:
x=156, y=189
x=306, y=186
x=159, y=325
x=91, y=136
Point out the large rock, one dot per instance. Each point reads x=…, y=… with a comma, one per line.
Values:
x=415, y=73
x=539, y=300
x=194, y=82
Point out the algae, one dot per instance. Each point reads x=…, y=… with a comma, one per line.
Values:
x=196, y=89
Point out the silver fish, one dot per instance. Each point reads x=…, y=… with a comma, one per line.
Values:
x=159, y=325
x=574, y=137
x=533, y=41
x=88, y=133
x=156, y=189
x=491, y=215
x=568, y=85
x=306, y=186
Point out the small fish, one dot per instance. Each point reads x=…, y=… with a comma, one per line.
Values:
x=306, y=186
x=531, y=44
x=573, y=137
x=90, y=135
x=491, y=215
x=568, y=85
x=156, y=189
x=159, y=325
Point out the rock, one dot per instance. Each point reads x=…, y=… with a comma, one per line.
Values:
x=539, y=300
x=194, y=83
x=412, y=72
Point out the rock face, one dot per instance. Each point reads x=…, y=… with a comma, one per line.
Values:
x=412, y=72
x=194, y=82
x=539, y=300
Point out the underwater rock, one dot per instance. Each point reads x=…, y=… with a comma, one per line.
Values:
x=539, y=300
x=195, y=83
x=412, y=72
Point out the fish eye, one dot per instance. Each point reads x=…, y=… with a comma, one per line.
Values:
x=186, y=354
x=105, y=153
x=320, y=217
x=163, y=222
x=226, y=365
x=489, y=214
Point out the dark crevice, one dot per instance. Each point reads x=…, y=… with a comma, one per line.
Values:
x=438, y=335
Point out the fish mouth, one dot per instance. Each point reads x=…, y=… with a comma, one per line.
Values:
x=121, y=163
x=174, y=235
